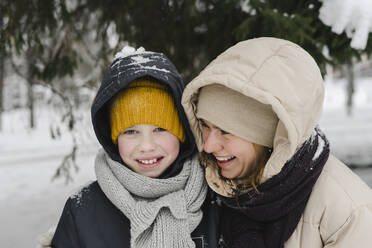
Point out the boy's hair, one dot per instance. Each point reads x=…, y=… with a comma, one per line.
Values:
x=144, y=101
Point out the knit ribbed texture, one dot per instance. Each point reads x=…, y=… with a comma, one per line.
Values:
x=145, y=102
x=237, y=114
x=162, y=212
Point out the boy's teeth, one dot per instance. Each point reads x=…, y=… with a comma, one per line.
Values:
x=224, y=159
x=148, y=161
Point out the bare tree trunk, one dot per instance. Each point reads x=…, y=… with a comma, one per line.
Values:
x=30, y=93
x=350, y=88
x=1, y=90
x=2, y=58
x=30, y=96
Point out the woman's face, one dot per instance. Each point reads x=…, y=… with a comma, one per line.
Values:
x=235, y=156
x=148, y=150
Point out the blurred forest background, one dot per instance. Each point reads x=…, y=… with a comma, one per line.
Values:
x=54, y=52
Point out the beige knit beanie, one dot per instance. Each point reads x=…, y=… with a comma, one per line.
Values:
x=237, y=114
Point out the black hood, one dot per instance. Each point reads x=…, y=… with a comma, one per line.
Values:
x=122, y=72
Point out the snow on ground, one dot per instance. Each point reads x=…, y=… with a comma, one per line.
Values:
x=350, y=136
x=31, y=203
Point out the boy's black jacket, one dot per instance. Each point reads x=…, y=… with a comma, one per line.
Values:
x=90, y=220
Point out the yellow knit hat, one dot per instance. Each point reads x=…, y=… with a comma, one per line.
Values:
x=144, y=102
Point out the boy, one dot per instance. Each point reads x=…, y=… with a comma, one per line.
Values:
x=150, y=189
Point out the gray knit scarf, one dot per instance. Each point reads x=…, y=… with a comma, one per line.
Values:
x=162, y=212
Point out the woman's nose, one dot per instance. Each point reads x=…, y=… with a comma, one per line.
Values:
x=212, y=142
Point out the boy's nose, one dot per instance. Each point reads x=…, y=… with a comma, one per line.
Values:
x=147, y=144
x=212, y=142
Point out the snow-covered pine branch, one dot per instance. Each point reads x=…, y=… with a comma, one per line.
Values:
x=354, y=17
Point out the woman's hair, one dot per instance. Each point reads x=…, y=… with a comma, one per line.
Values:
x=253, y=177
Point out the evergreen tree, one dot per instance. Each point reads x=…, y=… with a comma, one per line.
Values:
x=297, y=21
x=190, y=32
x=66, y=36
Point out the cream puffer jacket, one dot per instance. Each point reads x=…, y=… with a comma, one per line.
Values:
x=282, y=74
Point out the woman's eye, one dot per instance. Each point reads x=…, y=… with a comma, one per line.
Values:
x=224, y=132
x=202, y=123
x=159, y=129
x=129, y=131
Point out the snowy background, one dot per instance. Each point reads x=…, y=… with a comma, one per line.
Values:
x=31, y=202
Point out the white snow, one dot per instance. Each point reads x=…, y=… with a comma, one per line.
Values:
x=31, y=202
x=319, y=149
x=46, y=238
x=79, y=192
x=352, y=16
x=128, y=51
x=140, y=59
x=154, y=67
x=350, y=136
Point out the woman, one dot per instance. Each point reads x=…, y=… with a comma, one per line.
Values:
x=254, y=112
x=150, y=189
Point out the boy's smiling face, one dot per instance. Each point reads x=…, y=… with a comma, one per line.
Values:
x=147, y=149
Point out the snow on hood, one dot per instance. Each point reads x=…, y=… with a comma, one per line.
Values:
x=127, y=51
x=141, y=60
x=272, y=71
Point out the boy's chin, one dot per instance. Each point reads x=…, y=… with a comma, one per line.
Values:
x=152, y=174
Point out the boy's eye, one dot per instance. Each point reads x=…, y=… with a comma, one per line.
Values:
x=129, y=131
x=159, y=129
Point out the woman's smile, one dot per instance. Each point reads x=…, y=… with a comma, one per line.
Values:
x=224, y=162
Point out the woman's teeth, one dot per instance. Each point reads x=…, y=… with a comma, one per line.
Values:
x=148, y=161
x=224, y=159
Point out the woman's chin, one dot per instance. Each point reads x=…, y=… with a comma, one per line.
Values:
x=227, y=174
